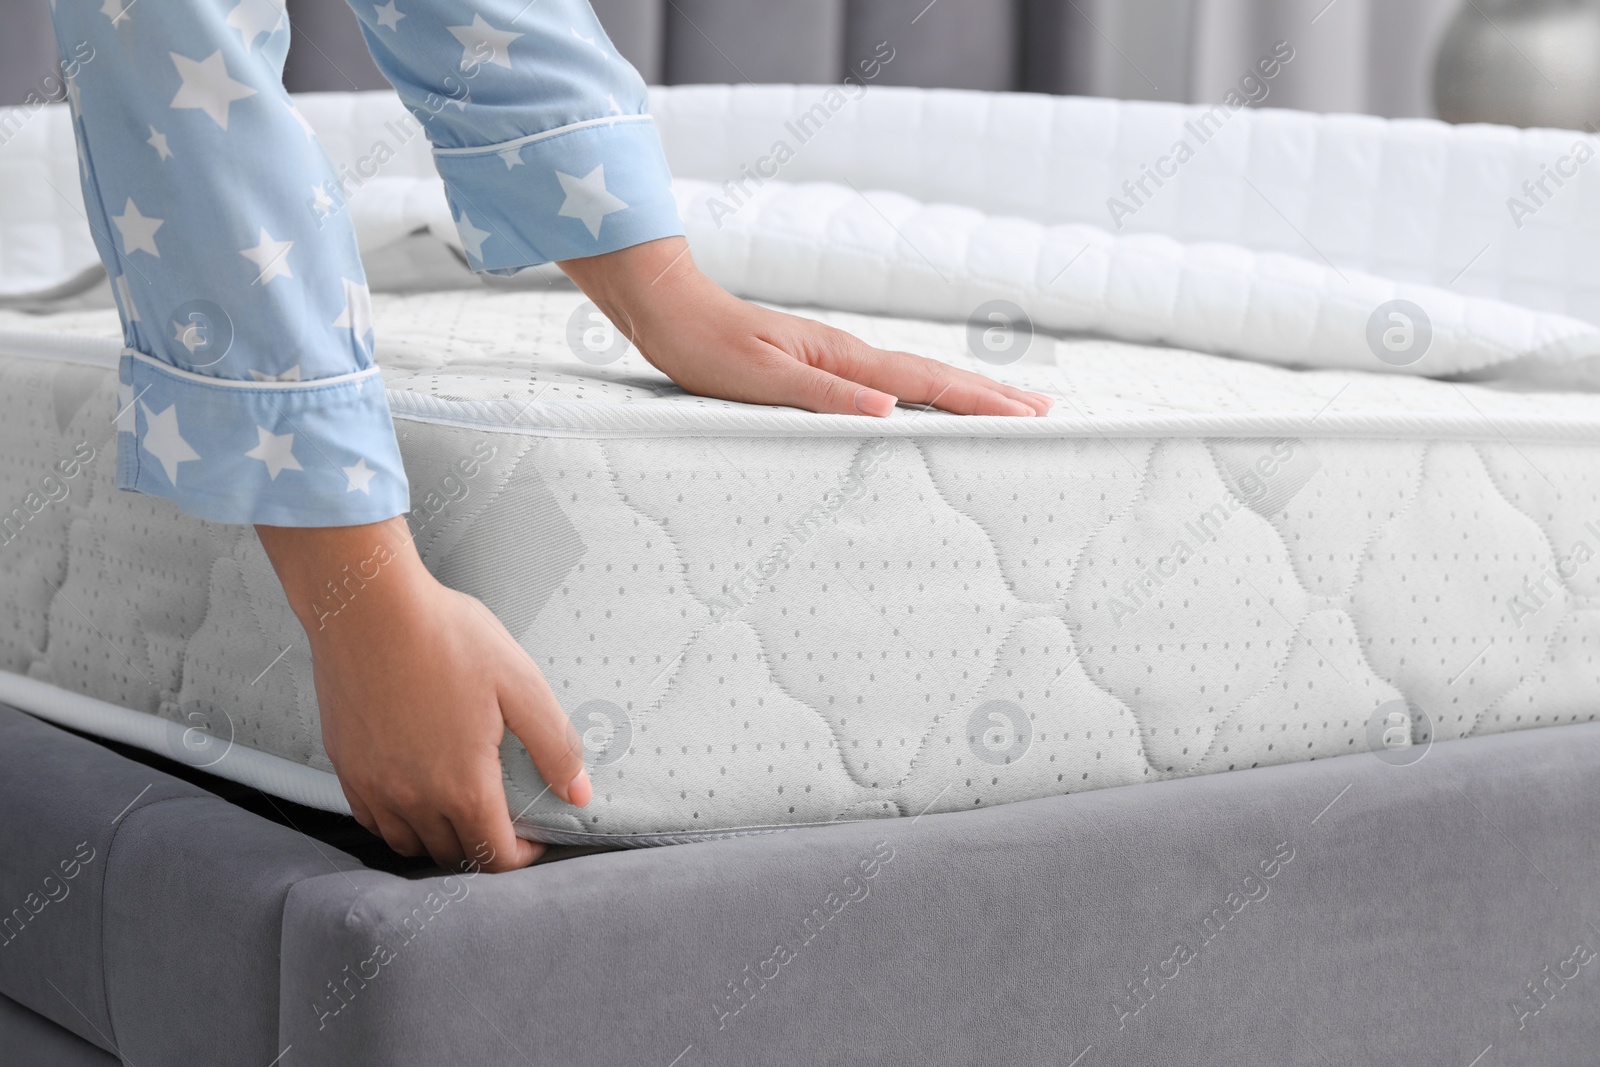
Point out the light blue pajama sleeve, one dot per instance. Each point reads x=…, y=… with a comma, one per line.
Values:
x=248, y=388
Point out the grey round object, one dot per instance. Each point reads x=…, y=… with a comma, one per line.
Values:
x=606, y=729
x=1399, y=733
x=999, y=332
x=592, y=337
x=1521, y=63
x=1399, y=333
x=999, y=732
x=204, y=331
x=206, y=738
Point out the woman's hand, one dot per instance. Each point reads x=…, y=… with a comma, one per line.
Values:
x=417, y=685
x=714, y=344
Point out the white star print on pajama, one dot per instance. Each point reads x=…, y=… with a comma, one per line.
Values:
x=248, y=391
x=271, y=256
x=138, y=232
x=255, y=17
x=388, y=15
x=162, y=440
x=207, y=87
x=276, y=451
x=588, y=198
x=482, y=43
x=158, y=141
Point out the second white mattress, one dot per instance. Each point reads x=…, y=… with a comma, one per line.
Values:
x=761, y=618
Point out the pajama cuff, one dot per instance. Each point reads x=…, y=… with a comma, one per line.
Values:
x=581, y=190
x=315, y=453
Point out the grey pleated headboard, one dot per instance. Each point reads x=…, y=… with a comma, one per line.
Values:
x=1354, y=55
x=973, y=44
x=968, y=44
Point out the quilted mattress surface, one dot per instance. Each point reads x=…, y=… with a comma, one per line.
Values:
x=1240, y=538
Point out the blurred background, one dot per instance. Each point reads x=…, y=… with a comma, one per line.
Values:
x=1523, y=62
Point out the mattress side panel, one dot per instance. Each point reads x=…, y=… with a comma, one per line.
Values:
x=764, y=632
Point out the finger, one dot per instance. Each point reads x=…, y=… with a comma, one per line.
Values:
x=484, y=827
x=396, y=832
x=800, y=385
x=1037, y=401
x=439, y=838
x=938, y=385
x=922, y=381
x=532, y=712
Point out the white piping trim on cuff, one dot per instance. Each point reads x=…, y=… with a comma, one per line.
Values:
x=235, y=383
x=520, y=142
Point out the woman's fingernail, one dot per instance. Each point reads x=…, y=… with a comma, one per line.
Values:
x=872, y=402
x=580, y=790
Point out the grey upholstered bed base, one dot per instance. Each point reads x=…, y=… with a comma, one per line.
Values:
x=1342, y=911
x=31, y=1039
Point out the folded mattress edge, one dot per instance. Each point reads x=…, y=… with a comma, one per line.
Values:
x=271, y=774
x=200, y=750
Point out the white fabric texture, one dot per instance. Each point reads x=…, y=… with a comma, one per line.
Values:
x=765, y=618
x=1412, y=201
x=788, y=624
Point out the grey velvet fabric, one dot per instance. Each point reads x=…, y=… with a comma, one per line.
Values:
x=164, y=946
x=193, y=918
x=63, y=801
x=27, y=1038
x=1342, y=911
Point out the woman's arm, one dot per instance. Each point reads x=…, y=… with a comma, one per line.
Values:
x=714, y=344
x=417, y=683
x=249, y=394
x=249, y=386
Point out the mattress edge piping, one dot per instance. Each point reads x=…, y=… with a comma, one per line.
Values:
x=591, y=419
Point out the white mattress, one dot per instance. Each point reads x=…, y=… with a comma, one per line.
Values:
x=767, y=618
